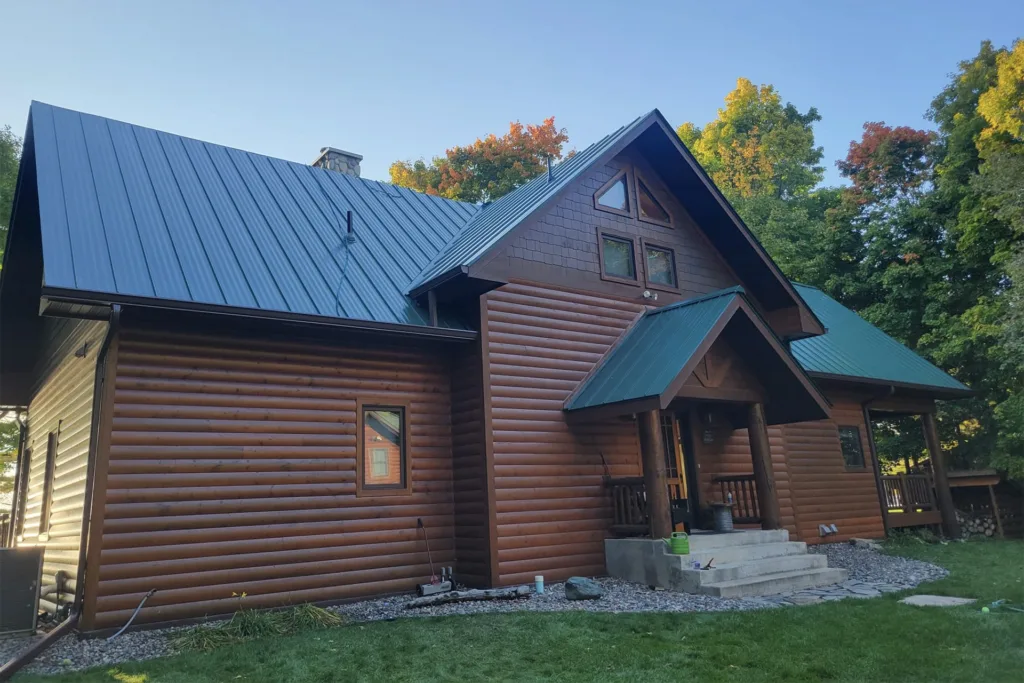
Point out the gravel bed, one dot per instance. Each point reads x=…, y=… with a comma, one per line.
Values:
x=871, y=574
x=871, y=566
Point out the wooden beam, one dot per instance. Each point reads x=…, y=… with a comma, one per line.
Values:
x=877, y=468
x=764, y=476
x=652, y=454
x=995, y=510
x=942, y=493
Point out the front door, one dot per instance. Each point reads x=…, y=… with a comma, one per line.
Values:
x=682, y=490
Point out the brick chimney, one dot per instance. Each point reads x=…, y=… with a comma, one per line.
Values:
x=339, y=160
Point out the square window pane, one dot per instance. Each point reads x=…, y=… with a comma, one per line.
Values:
x=618, y=257
x=615, y=197
x=661, y=267
x=383, y=447
x=849, y=441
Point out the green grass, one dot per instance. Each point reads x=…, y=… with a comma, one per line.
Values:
x=852, y=640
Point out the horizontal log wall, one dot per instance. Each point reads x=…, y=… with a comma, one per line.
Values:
x=232, y=470
x=824, y=491
x=552, y=510
x=62, y=404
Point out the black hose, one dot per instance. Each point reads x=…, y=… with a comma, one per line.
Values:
x=134, y=614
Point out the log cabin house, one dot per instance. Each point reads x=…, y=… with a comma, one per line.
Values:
x=246, y=375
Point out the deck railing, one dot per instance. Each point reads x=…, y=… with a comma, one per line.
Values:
x=910, y=500
x=629, y=506
x=745, y=509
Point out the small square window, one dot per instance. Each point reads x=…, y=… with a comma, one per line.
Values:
x=661, y=265
x=853, y=453
x=383, y=449
x=617, y=258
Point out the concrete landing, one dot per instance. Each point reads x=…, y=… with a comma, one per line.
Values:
x=743, y=564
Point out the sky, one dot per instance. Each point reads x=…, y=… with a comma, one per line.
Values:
x=404, y=80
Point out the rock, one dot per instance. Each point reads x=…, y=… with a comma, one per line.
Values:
x=866, y=543
x=579, y=588
x=936, y=601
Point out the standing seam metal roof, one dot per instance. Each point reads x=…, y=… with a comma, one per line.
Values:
x=135, y=212
x=852, y=347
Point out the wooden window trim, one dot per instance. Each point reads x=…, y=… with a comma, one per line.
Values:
x=386, y=403
x=644, y=243
x=601, y=233
x=629, y=201
x=637, y=179
x=860, y=442
x=49, y=474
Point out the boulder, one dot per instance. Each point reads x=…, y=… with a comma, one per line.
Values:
x=579, y=588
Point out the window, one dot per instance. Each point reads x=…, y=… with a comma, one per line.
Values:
x=51, y=464
x=661, y=266
x=379, y=462
x=382, y=465
x=618, y=261
x=651, y=209
x=849, y=441
x=614, y=196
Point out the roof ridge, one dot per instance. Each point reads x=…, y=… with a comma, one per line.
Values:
x=735, y=289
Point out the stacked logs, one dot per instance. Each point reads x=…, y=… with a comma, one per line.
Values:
x=976, y=524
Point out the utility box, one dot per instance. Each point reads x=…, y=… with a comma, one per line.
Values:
x=21, y=571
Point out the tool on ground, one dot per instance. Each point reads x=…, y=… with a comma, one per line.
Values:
x=436, y=585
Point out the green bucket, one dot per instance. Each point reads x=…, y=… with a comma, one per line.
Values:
x=678, y=544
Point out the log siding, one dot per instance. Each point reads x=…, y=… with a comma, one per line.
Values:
x=232, y=470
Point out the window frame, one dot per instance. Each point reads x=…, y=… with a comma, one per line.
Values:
x=616, y=235
x=860, y=447
x=624, y=173
x=405, y=457
x=49, y=475
x=637, y=181
x=644, y=243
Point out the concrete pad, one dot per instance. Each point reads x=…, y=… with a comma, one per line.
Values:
x=936, y=601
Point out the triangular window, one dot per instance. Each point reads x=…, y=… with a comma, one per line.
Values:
x=614, y=196
x=650, y=209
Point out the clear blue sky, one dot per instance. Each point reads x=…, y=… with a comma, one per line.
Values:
x=405, y=80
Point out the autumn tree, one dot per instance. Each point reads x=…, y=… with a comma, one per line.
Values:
x=488, y=168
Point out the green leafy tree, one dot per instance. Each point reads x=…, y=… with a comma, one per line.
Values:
x=487, y=169
x=10, y=155
x=9, y=435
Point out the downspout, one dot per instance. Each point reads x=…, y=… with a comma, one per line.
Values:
x=879, y=488
x=113, y=326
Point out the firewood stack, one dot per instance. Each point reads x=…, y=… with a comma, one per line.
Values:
x=976, y=524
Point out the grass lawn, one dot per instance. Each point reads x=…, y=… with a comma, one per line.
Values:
x=852, y=640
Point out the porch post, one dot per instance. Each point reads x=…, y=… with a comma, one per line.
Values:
x=652, y=455
x=942, y=494
x=764, y=476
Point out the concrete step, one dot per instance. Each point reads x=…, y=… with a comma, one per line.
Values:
x=772, y=584
x=769, y=565
x=742, y=553
x=699, y=542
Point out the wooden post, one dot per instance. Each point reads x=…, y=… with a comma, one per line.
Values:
x=652, y=455
x=995, y=510
x=942, y=493
x=764, y=475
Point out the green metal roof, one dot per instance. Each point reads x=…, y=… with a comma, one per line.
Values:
x=642, y=365
x=854, y=348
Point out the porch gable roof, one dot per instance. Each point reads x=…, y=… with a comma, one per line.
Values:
x=649, y=365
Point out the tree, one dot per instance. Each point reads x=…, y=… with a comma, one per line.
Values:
x=10, y=155
x=1002, y=105
x=756, y=146
x=487, y=169
x=887, y=163
x=10, y=433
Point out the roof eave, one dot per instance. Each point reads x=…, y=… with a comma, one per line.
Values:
x=404, y=329
x=938, y=392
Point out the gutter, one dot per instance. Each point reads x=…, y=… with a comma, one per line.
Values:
x=864, y=407
x=21, y=659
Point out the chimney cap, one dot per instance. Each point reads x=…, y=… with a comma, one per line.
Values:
x=335, y=150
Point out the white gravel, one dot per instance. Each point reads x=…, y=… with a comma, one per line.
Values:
x=871, y=573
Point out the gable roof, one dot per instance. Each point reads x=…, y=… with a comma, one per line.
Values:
x=134, y=215
x=854, y=349
x=653, y=359
x=500, y=217
x=681, y=172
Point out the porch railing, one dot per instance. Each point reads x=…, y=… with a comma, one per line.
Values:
x=5, y=528
x=910, y=500
x=745, y=509
x=629, y=506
